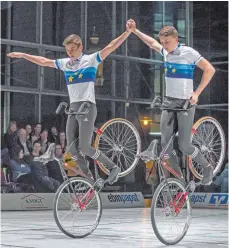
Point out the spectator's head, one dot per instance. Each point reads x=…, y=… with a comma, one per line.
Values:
x=12, y=128
x=19, y=154
x=22, y=134
x=36, y=147
x=54, y=131
x=28, y=129
x=62, y=136
x=37, y=129
x=44, y=135
x=58, y=151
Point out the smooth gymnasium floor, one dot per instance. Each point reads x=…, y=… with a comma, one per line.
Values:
x=127, y=228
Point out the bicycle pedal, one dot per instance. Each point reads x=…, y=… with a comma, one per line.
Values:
x=99, y=184
x=192, y=186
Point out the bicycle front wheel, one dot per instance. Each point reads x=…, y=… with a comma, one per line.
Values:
x=170, y=219
x=77, y=208
x=208, y=137
x=120, y=141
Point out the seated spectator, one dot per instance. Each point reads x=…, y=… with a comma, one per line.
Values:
x=10, y=138
x=18, y=165
x=53, y=166
x=22, y=142
x=37, y=133
x=221, y=182
x=40, y=171
x=62, y=141
x=44, y=141
x=28, y=129
x=53, y=138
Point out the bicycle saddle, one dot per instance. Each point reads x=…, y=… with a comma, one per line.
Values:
x=150, y=153
x=49, y=155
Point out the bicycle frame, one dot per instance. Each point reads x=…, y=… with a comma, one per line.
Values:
x=181, y=198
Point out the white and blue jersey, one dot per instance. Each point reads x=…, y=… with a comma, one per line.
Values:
x=80, y=76
x=179, y=69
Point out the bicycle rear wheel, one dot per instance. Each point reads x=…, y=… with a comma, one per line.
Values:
x=170, y=222
x=77, y=208
x=208, y=136
x=119, y=140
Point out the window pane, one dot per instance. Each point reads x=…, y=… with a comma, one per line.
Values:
x=145, y=80
x=2, y=111
x=3, y=62
x=218, y=31
x=49, y=117
x=53, y=78
x=4, y=9
x=99, y=16
x=24, y=73
x=175, y=16
x=60, y=19
x=103, y=112
x=22, y=108
x=24, y=21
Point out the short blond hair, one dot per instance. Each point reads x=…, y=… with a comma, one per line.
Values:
x=72, y=39
x=168, y=31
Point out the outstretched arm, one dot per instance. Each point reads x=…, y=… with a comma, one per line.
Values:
x=152, y=43
x=114, y=44
x=42, y=61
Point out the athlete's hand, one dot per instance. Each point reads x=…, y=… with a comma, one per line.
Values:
x=194, y=98
x=131, y=25
x=15, y=55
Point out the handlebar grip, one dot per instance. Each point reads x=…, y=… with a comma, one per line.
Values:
x=60, y=107
x=156, y=102
x=186, y=104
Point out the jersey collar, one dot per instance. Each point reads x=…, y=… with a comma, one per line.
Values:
x=78, y=59
x=178, y=45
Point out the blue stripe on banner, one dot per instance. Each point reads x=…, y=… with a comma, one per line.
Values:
x=98, y=58
x=180, y=74
x=57, y=64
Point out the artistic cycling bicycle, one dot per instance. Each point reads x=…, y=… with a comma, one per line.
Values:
x=77, y=204
x=171, y=208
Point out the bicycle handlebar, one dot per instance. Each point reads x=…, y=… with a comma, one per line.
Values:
x=71, y=112
x=156, y=103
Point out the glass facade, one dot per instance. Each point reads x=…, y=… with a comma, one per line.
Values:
x=131, y=79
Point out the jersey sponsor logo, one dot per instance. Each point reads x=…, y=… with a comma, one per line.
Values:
x=86, y=119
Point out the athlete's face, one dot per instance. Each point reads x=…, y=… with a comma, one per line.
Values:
x=169, y=43
x=73, y=50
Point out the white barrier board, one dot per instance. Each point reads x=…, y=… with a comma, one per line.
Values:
x=44, y=201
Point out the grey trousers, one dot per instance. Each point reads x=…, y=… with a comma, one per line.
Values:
x=181, y=121
x=84, y=125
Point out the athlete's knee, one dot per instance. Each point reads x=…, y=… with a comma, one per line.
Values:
x=85, y=150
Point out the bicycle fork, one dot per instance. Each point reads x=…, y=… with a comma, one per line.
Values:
x=182, y=197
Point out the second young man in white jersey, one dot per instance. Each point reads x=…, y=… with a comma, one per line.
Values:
x=179, y=63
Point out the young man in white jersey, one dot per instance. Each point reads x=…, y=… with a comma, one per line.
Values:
x=179, y=63
x=80, y=75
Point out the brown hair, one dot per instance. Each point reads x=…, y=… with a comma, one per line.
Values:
x=168, y=31
x=72, y=39
x=10, y=124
